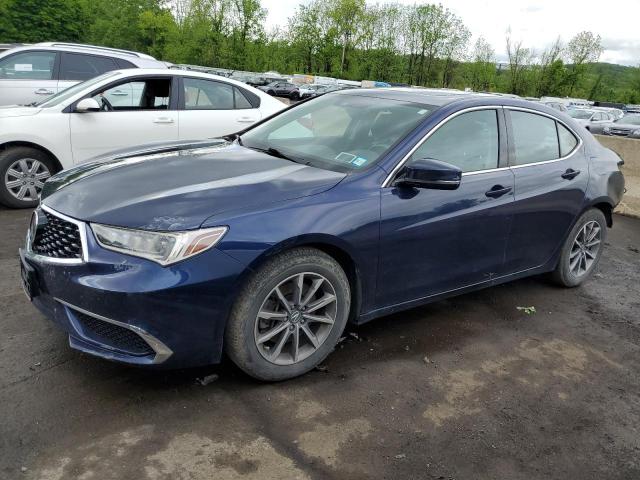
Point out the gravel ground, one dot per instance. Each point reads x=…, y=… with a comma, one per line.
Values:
x=468, y=388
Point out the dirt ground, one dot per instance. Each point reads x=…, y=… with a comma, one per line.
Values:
x=469, y=388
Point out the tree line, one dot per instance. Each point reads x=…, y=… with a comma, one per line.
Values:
x=422, y=44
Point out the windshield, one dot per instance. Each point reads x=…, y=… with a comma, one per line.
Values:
x=630, y=119
x=71, y=91
x=580, y=114
x=337, y=132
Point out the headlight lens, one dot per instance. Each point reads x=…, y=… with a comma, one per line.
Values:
x=164, y=248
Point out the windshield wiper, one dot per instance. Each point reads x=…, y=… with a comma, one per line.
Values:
x=274, y=152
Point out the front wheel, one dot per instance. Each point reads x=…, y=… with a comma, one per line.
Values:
x=289, y=316
x=582, y=249
x=23, y=171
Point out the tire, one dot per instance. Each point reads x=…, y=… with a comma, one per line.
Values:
x=27, y=166
x=271, y=92
x=245, y=329
x=295, y=96
x=567, y=272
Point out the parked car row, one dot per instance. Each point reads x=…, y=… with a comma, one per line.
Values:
x=300, y=92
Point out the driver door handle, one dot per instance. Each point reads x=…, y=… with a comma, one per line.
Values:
x=43, y=91
x=570, y=174
x=163, y=120
x=497, y=191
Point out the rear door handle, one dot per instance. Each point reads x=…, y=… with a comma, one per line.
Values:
x=43, y=91
x=570, y=174
x=246, y=120
x=497, y=191
x=119, y=93
x=163, y=120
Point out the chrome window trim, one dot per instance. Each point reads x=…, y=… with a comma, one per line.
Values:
x=161, y=350
x=543, y=162
x=404, y=160
x=82, y=228
x=478, y=172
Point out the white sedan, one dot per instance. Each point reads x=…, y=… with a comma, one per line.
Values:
x=117, y=110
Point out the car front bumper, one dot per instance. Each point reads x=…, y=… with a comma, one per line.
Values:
x=132, y=310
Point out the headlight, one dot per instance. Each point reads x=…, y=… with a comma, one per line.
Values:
x=164, y=248
x=636, y=132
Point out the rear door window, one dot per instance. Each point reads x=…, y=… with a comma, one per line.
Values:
x=75, y=66
x=201, y=94
x=535, y=138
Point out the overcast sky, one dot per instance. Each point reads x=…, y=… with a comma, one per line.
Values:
x=536, y=22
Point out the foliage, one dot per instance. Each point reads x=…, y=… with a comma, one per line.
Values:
x=420, y=44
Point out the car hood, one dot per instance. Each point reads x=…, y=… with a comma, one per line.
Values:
x=178, y=189
x=7, y=111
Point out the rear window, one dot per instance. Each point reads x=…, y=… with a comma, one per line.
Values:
x=568, y=141
x=535, y=138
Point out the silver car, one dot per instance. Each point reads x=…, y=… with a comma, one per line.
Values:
x=35, y=72
x=589, y=118
x=628, y=126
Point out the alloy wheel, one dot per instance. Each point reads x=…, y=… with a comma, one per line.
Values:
x=25, y=178
x=296, y=318
x=584, y=250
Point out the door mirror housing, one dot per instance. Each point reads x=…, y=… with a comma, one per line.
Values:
x=429, y=173
x=87, y=105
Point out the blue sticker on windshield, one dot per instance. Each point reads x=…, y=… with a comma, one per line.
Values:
x=358, y=162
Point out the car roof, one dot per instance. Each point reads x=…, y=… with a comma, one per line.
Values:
x=81, y=48
x=138, y=72
x=435, y=97
x=75, y=47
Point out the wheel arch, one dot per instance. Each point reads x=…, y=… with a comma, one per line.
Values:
x=332, y=246
x=605, y=205
x=19, y=143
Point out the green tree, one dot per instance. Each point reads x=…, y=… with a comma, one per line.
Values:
x=41, y=20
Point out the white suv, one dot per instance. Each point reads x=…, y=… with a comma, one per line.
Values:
x=35, y=72
x=114, y=111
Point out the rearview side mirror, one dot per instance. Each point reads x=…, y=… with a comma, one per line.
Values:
x=87, y=105
x=429, y=173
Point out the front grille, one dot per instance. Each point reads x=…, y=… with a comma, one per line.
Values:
x=57, y=238
x=117, y=337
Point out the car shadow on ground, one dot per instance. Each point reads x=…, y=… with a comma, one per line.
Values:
x=442, y=325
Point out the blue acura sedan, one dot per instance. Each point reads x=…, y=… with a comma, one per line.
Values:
x=340, y=209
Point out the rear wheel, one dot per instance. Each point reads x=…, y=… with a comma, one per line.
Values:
x=289, y=316
x=582, y=249
x=23, y=171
